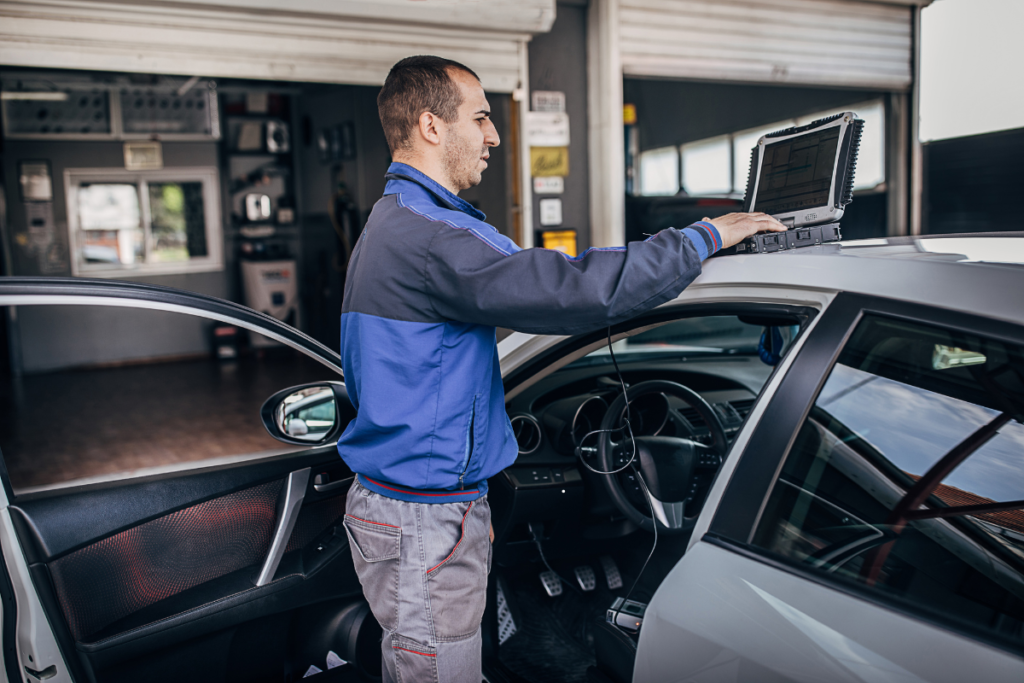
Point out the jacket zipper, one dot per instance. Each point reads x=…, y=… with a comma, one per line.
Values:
x=469, y=455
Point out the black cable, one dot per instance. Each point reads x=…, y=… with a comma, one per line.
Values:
x=540, y=551
x=654, y=545
x=627, y=424
x=629, y=464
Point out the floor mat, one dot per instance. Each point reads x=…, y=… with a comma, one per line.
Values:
x=551, y=638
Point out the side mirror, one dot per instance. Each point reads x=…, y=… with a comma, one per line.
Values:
x=309, y=414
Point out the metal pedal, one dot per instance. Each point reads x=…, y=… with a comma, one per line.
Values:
x=552, y=583
x=586, y=577
x=506, y=625
x=611, y=572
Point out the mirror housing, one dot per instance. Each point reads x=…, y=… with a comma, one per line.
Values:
x=312, y=414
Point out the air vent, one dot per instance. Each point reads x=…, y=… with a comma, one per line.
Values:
x=527, y=431
x=693, y=417
x=743, y=407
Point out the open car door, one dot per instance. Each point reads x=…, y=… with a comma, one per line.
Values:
x=195, y=548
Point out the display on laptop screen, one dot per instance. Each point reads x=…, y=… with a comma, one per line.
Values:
x=796, y=173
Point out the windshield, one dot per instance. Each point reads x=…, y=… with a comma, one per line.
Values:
x=712, y=335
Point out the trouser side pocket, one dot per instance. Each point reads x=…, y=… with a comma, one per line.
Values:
x=376, y=548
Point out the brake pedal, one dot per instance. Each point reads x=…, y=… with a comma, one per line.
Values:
x=586, y=577
x=552, y=583
x=611, y=572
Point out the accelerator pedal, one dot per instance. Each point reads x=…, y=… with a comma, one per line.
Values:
x=611, y=572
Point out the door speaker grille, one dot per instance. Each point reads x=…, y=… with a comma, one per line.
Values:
x=110, y=579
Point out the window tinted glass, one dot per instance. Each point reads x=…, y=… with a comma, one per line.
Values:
x=108, y=391
x=907, y=477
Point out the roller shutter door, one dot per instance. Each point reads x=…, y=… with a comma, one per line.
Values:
x=308, y=41
x=813, y=42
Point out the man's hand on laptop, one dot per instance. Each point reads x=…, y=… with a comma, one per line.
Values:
x=736, y=227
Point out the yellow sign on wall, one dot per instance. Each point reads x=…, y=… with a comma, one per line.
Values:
x=560, y=240
x=629, y=114
x=549, y=161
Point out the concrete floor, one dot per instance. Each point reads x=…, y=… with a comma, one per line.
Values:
x=70, y=425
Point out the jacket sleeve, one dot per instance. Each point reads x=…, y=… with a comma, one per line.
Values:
x=542, y=291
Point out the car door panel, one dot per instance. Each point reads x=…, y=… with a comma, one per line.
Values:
x=724, y=616
x=734, y=612
x=185, y=572
x=156, y=577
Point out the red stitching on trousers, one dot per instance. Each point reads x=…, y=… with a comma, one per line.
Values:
x=460, y=539
x=377, y=523
x=425, y=654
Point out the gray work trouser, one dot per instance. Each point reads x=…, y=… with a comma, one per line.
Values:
x=423, y=568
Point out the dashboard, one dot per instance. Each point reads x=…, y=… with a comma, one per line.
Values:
x=561, y=412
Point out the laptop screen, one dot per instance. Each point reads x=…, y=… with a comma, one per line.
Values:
x=797, y=173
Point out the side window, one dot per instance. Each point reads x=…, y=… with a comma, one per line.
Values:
x=106, y=391
x=907, y=477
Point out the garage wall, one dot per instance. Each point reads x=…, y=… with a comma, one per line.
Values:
x=56, y=337
x=967, y=182
x=558, y=61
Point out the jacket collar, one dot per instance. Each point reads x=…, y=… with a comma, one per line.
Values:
x=404, y=178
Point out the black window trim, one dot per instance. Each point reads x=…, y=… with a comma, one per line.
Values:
x=736, y=518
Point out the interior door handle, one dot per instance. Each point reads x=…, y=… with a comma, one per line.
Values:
x=327, y=487
x=294, y=492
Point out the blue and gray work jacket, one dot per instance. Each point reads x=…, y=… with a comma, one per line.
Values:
x=427, y=284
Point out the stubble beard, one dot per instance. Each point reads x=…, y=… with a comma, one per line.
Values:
x=460, y=162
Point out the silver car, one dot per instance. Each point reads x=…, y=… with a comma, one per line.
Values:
x=826, y=444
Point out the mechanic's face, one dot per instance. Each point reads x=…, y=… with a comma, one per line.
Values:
x=469, y=138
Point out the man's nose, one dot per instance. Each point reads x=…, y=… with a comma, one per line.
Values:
x=491, y=138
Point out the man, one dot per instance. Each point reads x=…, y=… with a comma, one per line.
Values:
x=427, y=283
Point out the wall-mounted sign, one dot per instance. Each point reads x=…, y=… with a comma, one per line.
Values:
x=548, y=100
x=559, y=240
x=36, y=185
x=549, y=161
x=545, y=129
x=549, y=185
x=629, y=114
x=551, y=211
x=143, y=156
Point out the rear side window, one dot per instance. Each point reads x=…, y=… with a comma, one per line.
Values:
x=907, y=477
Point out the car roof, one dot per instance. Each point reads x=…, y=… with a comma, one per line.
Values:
x=979, y=273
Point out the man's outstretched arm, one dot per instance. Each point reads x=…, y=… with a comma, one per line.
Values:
x=544, y=292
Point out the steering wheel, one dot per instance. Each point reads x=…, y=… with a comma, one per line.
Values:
x=668, y=464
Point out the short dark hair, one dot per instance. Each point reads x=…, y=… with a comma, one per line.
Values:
x=416, y=85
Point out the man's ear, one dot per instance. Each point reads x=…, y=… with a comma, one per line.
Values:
x=430, y=128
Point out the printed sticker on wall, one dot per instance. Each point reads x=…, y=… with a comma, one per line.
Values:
x=544, y=129
x=548, y=100
x=560, y=240
x=549, y=161
x=551, y=212
x=549, y=185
